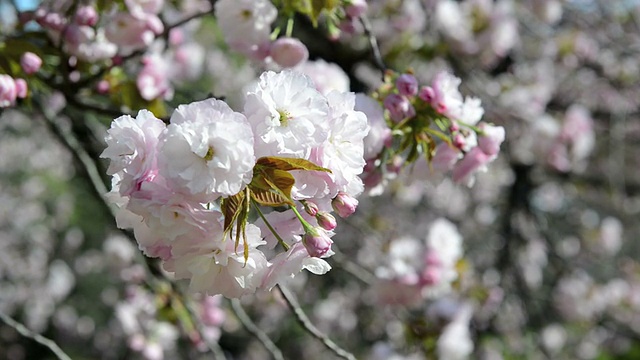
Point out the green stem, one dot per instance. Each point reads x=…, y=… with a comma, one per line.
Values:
x=307, y=227
x=289, y=27
x=273, y=231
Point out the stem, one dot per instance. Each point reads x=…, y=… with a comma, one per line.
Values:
x=377, y=56
x=289, y=30
x=50, y=344
x=255, y=330
x=303, y=319
x=307, y=227
x=273, y=231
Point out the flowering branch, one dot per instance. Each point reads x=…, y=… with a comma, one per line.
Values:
x=255, y=330
x=50, y=344
x=304, y=320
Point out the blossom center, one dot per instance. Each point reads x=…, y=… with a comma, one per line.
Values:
x=246, y=14
x=285, y=116
x=209, y=155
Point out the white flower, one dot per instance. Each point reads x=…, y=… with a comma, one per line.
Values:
x=287, y=264
x=207, y=148
x=342, y=153
x=131, y=143
x=455, y=341
x=446, y=240
x=379, y=131
x=288, y=115
x=245, y=21
x=217, y=268
x=326, y=76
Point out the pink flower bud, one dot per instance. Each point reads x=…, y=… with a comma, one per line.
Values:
x=430, y=276
x=348, y=26
x=311, y=208
x=288, y=52
x=427, y=94
x=8, y=91
x=491, y=139
x=326, y=221
x=30, y=63
x=459, y=141
x=86, y=15
x=399, y=107
x=344, y=204
x=317, y=242
x=407, y=85
x=21, y=88
x=357, y=8
x=50, y=20
x=176, y=36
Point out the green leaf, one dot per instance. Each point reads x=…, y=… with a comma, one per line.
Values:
x=288, y=164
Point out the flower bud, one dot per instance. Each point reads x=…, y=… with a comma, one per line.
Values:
x=317, y=242
x=344, y=204
x=30, y=63
x=407, y=85
x=357, y=8
x=491, y=139
x=288, y=52
x=326, y=221
x=427, y=94
x=430, y=276
x=399, y=107
x=86, y=15
x=21, y=88
x=311, y=208
x=103, y=87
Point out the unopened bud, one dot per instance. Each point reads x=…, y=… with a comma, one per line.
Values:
x=326, y=221
x=407, y=85
x=30, y=63
x=344, y=204
x=311, y=208
x=427, y=94
x=288, y=52
x=317, y=242
x=21, y=88
x=399, y=107
x=86, y=15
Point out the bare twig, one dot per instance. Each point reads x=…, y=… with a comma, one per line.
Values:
x=50, y=344
x=375, y=49
x=255, y=330
x=303, y=319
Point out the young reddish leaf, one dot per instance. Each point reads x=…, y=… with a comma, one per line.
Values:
x=288, y=164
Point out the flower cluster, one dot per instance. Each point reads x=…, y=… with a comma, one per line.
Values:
x=187, y=187
x=435, y=122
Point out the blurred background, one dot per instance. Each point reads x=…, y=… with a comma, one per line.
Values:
x=550, y=266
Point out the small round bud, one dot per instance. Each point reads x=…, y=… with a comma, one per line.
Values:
x=103, y=87
x=317, y=242
x=344, y=204
x=399, y=107
x=86, y=15
x=326, y=221
x=311, y=208
x=407, y=85
x=427, y=94
x=21, y=88
x=288, y=52
x=30, y=63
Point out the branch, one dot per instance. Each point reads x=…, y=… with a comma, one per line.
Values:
x=375, y=49
x=308, y=325
x=50, y=344
x=254, y=330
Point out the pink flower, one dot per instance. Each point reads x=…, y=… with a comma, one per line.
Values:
x=152, y=81
x=288, y=52
x=445, y=157
x=472, y=162
x=8, y=90
x=491, y=138
x=30, y=63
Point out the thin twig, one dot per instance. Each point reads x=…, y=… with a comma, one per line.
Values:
x=214, y=347
x=375, y=49
x=255, y=330
x=50, y=344
x=303, y=319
